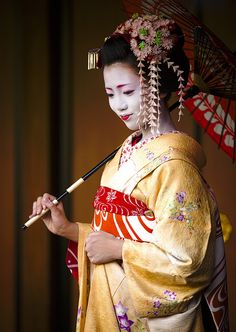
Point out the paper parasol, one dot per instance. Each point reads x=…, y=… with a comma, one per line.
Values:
x=212, y=75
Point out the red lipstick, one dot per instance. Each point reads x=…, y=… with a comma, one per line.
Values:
x=125, y=117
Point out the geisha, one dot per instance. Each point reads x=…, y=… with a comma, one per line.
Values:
x=153, y=256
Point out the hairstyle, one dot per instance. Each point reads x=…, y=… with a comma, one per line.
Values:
x=117, y=49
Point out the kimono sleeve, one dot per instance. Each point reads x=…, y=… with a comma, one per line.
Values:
x=165, y=274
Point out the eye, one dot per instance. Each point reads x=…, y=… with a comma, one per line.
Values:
x=128, y=92
x=110, y=95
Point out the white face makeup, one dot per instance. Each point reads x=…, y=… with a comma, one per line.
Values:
x=123, y=90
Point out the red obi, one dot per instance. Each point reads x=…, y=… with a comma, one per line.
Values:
x=119, y=214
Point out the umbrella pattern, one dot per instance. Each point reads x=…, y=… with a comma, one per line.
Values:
x=211, y=90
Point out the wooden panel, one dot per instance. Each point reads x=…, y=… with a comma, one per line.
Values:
x=24, y=166
x=7, y=177
x=34, y=143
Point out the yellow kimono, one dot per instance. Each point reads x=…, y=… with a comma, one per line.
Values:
x=160, y=283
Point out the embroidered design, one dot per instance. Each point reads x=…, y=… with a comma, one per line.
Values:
x=128, y=148
x=149, y=154
x=100, y=192
x=156, y=304
x=171, y=296
x=165, y=305
x=180, y=196
x=121, y=314
x=110, y=200
x=181, y=210
x=111, y=195
x=79, y=314
x=139, y=212
x=141, y=325
x=148, y=169
x=164, y=158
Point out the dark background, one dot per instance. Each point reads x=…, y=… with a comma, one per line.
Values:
x=55, y=124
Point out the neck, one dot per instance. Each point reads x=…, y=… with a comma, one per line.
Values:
x=165, y=125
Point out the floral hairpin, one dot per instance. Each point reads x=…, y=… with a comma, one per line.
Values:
x=150, y=36
x=151, y=40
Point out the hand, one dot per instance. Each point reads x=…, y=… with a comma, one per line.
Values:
x=55, y=220
x=102, y=247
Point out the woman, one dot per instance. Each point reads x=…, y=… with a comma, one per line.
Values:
x=152, y=246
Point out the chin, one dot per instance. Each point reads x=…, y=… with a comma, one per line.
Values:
x=131, y=126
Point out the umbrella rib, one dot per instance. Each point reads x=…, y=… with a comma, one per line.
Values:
x=215, y=60
x=227, y=112
x=218, y=69
x=213, y=78
x=184, y=23
x=171, y=9
x=224, y=123
x=213, y=114
x=209, y=59
x=150, y=6
x=174, y=8
x=202, y=56
x=230, y=74
x=199, y=104
x=215, y=108
x=209, y=63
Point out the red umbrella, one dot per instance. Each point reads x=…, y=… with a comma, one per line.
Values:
x=214, y=106
x=212, y=78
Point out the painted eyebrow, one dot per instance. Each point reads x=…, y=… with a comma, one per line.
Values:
x=119, y=86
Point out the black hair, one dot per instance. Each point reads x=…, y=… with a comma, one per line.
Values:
x=117, y=49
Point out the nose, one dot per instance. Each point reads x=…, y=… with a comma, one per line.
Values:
x=121, y=105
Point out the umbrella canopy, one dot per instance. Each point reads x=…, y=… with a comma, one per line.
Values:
x=212, y=77
x=214, y=107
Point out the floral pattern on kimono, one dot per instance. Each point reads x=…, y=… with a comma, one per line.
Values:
x=161, y=277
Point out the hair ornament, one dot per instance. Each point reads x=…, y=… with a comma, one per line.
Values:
x=93, y=58
x=151, y=39
x=143, y=116
x=180, y=86
x=149, y=36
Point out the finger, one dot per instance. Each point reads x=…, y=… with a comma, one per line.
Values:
x=102, y=233
x=53, y=206
x=86, y=247
x=46, y=199
x=90, y=256
x=39, y=205
x=92, y=260
x=89, y=238
x=93, y=234
x=34, y=209
x=50, y=202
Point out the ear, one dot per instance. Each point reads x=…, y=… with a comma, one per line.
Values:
x=163, y=95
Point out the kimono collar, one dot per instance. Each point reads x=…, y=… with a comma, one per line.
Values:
x=168, y=146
